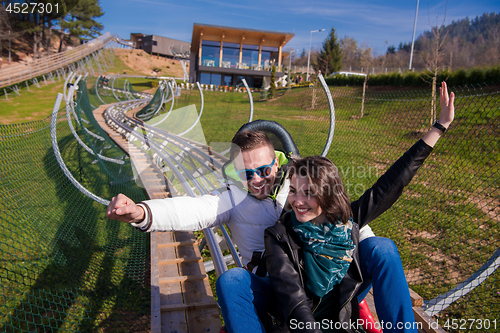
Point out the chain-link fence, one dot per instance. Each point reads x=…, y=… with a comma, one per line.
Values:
x=65, y=267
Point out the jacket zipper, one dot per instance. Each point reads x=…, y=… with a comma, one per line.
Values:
x=279, y=237
x=317, y=305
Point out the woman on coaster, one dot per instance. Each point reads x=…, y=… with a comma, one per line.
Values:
x=312, y=255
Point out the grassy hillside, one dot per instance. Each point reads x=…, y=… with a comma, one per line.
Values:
x=37, y=103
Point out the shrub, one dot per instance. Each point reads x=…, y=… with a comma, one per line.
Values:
x=443, y=76
x=476, y=76
x=411, y=79
x=344, y=80
x=457, y=78
x=492, y=75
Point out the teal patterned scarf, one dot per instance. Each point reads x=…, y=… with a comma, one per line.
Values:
x=328, y=252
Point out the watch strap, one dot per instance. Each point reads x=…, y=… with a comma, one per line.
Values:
x=439, y=126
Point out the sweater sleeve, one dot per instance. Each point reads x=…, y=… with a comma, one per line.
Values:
x=389, y=187
x=186, y=213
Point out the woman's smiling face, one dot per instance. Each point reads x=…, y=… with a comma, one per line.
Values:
x=303, y=202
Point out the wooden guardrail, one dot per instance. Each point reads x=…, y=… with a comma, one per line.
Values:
x=18, y=73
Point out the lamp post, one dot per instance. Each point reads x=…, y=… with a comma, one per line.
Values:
x=309, y=55
x=290, y=62
x=413, y=40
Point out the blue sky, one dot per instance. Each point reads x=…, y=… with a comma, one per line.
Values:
x=367, y=21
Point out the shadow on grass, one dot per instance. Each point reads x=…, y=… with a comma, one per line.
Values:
x=97, y=276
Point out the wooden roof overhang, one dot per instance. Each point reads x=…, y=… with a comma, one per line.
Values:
x=237, y=35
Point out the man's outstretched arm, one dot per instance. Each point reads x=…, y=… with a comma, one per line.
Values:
x=124, y=209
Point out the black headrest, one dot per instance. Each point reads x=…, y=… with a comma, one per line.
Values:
x=281, y=139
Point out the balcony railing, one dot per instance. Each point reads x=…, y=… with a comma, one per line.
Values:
x=265, y=66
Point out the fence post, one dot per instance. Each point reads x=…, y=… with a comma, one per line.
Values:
x=363, y=99
x=433, y=100
x=313, y=102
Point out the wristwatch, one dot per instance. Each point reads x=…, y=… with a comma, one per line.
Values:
x=439, y=126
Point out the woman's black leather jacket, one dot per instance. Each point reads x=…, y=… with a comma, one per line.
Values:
x=284, y=258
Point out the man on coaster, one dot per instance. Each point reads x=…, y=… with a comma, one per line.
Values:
x=243, y=296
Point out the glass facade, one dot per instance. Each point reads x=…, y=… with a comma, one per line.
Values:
x=249, y=80
x=230, y=55
x=210, y=78
x=228, y=80
x=210, y=53
x=250, y=57
x=268, y=55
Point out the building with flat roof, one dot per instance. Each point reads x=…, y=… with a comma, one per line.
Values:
x=224, y=55
x=164, y=46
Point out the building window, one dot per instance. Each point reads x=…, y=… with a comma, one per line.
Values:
x=204, y=78
x=249, y=80
x=155, y=43
x=230, y=55
x=210, y=78
x=250, y=57
x=257, y=82
x=210, y=53
x=269, y=54
x=228, y=80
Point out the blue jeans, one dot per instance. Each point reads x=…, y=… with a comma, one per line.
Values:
x=244, y=297
x=381, y=266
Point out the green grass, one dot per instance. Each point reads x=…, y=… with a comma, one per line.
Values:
x=35, y=103
x=23, y=108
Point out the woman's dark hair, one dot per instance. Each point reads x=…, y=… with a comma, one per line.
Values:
x=325, y=185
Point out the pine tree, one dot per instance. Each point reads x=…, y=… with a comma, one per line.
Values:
x=330, y=57
x=80, y=21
